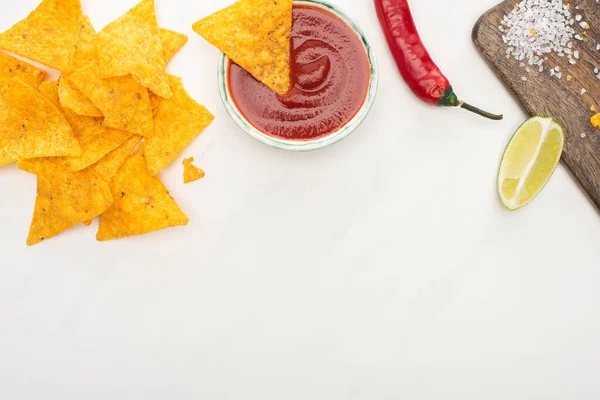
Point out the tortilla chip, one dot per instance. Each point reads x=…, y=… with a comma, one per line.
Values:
x=132, y=45
x=85, y=43
x=74, y=100
x=108, y=167
x=124, y=103
x=66, y=199
x=34, y=127
x=191, y=173
x=177, y=122
x=142, y=204
x=11, y=67
x=70, y=96
x=172, y=42
x=48, y=35
x=255, y=34
x=96, y=140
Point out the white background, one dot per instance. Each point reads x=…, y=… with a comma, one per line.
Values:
x=381, y=268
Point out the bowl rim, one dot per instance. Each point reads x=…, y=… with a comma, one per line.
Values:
x=307, y=145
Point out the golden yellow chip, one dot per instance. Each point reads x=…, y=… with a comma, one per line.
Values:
x=96, y=140
x=65, y=199
x=48, y=35
x=132, y=45
x=11, y=67
x=34, y=127
x=255, y=34
x=191, y=173
x=74, y=100
x=142, y=203
x=172, y=42
x=107, y=168
x=85, y=43
x=70, y=96
x=124, y=103
x=177, y=122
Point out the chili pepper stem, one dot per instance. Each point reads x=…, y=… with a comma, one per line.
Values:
x=449, y=99
x=478, y=111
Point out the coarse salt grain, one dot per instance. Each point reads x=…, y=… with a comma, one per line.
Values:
x=535, y=28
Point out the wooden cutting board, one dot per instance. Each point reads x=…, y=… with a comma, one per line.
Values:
x=545, y=95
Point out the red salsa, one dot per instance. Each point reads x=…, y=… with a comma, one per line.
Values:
x=330, y=77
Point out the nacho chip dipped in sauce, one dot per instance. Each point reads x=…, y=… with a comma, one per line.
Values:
x=330, y=74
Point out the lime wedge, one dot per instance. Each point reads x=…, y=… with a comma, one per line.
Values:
x=529, y=161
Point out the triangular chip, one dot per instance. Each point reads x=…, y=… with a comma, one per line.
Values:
x=191, y=173
x=142, y=203
x=124, y=103
x=108, y=167
x=172, y=42
x=85, y=43
x=48, y=35
x=74, y=100
x=34, y=127
x=177, y=122
x=132, y=45
x=11, y=67
x=66, y=199
x=70, y=96
x=104, y=169
x=255, y=34
x=96, y=140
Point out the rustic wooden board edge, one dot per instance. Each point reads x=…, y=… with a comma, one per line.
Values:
x=573, y=170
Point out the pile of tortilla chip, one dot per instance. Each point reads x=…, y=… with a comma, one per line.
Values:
x=96, y=138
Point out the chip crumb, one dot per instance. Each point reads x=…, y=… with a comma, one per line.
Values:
x=569, y=78
x=191, y=173
x=595, y=121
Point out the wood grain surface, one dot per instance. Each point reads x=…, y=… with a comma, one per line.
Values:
x=549, y=96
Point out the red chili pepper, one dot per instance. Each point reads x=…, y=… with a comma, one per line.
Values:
x=414, y=62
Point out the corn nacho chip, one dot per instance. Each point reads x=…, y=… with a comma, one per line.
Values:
x=85, y=43
x=177, y=122
x=172, y=42
x=142, y=204
x=95, y=139
x=65, y=199
x=107, y=168
x=34, y=127
x=132, y=45
x=70, y=96
x=255, y=34
x=124, y=103
x=48, y=35
x=191, y=173
x=74, y=100
x=11, y=67
x=104, y=169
